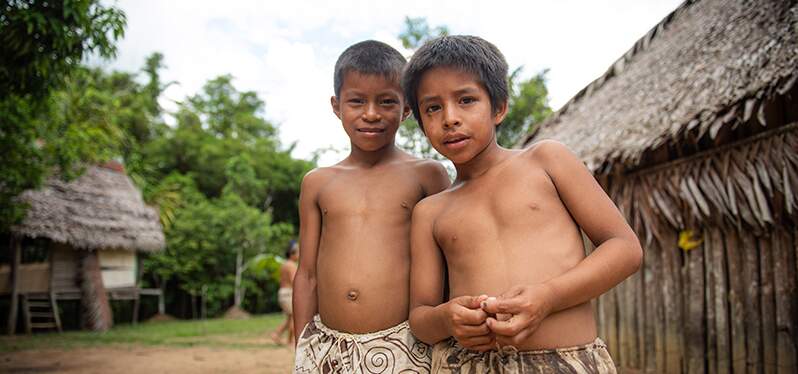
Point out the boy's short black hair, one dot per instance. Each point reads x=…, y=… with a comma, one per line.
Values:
x=471, y=54
x=368, y=57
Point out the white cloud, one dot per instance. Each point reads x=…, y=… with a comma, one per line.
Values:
x=285, y=51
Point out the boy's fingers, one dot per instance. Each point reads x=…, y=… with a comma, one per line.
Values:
x=501, y=305
x=470, y=302
x=474, y=317
x=473, y=330
x=510, y=327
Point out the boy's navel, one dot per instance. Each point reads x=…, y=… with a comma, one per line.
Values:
x=324, y=211
x=352, y=295
x=405, y=205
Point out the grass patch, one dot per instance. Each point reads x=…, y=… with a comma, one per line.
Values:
x=214, y=333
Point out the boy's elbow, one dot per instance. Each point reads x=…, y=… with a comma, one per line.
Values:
x=635, y=256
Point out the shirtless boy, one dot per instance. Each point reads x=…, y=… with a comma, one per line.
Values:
x=287, y=272
x=351, y=292
x=509, y=227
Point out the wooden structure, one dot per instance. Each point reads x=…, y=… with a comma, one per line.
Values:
x=94, y=228
x=694, y=134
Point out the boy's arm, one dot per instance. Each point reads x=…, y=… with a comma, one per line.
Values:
x=430, y=320
x=304, y=298
x=617, y=255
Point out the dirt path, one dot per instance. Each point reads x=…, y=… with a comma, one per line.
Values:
x=149, y=360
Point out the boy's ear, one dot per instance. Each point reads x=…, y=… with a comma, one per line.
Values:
x=405, y=112
x=336, y=109
x=500, y=113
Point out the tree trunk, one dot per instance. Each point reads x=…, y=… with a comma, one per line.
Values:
x=15, y=251
x=239, y=265
x=97, y=314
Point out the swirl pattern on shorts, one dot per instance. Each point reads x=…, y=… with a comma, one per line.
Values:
x=395, y=350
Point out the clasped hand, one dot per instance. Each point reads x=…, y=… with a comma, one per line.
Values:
x=480, y=322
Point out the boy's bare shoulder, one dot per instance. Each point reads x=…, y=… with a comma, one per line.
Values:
x=319, y=176
x=430, y=173
x=428, y=167
x=547, y=153
x=429, y=206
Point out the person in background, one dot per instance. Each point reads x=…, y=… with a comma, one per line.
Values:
x=287, y=272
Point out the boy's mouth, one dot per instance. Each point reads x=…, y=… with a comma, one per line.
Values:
x=371, y=130
x=455, y=141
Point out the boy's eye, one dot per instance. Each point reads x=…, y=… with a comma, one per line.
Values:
x=468, y=100
x=356, y=101
x=432, y=108
x=390, y=102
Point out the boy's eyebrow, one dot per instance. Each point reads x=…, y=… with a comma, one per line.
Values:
x=384, y=92
x=464, y=90
x=427, y=98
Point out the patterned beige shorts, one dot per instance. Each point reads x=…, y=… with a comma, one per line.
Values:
x=394, y=350
x=284, y=299
x=450, y=357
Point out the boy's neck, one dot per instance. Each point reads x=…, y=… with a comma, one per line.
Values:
x=481, y=163
x=360, y=158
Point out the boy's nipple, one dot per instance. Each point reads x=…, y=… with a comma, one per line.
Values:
x=352, y=295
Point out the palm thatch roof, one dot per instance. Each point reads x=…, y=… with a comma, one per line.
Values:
x=708, y=67
x=101, y=209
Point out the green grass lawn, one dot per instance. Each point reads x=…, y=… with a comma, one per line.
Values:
x=213, y=332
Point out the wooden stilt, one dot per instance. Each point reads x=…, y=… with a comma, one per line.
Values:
x=15, y=249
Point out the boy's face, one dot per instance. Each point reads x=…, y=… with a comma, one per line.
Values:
x=456, y=113
x=370, y=108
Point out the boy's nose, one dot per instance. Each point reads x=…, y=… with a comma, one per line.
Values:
x=371, y=114
x=450, y=117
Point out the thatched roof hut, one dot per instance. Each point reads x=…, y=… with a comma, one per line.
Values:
x=94, y=225
x=694, y=134
x=707, y=66
x=101, y=209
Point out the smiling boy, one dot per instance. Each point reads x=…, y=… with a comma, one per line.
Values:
x=351, y=289
x=508, y=227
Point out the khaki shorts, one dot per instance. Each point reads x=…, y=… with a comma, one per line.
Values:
x=450, y=357
x=284, y=299
x=394, y=350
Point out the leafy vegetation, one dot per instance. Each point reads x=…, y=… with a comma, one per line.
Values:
x=226, y=187
x=41, y=45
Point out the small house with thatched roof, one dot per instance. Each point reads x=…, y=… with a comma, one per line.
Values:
x=92, y=229
x=694, y=134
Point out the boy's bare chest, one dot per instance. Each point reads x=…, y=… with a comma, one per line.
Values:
x=370, y=195
x=504, y=207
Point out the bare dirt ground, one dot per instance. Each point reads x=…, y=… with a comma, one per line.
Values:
x=151, y=360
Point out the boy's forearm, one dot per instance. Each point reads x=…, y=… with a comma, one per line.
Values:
x=609, y=264
x=304, y=301
x=428, y=323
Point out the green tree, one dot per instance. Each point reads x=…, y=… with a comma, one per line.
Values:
x=528, y=106
x=417, y=31
x=227, y=189
x=41, y=44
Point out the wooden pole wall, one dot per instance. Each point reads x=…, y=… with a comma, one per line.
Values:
x=729, y=305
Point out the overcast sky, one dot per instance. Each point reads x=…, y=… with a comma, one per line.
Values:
x=285, y=50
